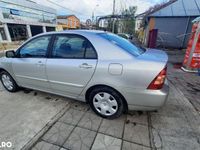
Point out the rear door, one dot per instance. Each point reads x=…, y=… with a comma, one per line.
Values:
x=30, y=64
x=71, y=64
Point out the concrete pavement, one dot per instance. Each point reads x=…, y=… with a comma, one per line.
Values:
x=24, y=115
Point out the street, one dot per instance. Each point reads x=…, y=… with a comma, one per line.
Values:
x=72, y=125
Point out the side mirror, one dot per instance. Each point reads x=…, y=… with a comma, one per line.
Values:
x=10, y=54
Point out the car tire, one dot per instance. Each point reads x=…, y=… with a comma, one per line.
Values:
x=106, y=102
x=8, y=82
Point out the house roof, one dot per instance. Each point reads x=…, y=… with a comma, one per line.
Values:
x=155, y=9
x=65, y=16
x=179, y=8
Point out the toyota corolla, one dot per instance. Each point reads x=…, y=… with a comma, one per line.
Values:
x=100, y=68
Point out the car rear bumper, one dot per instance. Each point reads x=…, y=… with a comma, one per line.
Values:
x=146, y=99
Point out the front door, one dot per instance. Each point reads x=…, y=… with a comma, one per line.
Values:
x=72, y=64
x=30, y=64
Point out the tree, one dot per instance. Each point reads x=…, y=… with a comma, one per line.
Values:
x=128, y=22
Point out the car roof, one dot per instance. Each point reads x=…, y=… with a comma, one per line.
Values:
x=75, y=32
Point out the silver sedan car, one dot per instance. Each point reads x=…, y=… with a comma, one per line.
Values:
x=100, y=68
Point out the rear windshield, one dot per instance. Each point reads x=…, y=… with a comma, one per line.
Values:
x=123, y=43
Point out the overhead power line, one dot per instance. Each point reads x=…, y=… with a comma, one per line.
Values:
x=67, y=8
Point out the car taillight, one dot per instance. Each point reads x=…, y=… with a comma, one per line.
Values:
x=159, y=80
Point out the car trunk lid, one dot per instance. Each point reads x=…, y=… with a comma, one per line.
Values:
x=154, y=55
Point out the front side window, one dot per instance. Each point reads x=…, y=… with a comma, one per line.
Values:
x=36, y=48
x=123, y=43
x=72, y=46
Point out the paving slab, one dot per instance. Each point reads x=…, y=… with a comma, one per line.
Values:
x=105, y=142
x=82, y=106
x=137, y=118
x=24, y=115
x=63, y=149
x=58, y=133
x=45, y=146
x=132, y=146
x=90, y=121
x=72, y=116
x=136, y=133
x=113, y=127
x=80, y=139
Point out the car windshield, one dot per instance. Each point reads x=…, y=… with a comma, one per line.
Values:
x=123, y=43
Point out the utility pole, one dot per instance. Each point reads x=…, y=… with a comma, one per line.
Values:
x=93, y=21
x=113, y=24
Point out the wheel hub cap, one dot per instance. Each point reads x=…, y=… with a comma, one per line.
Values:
x=7, y=82
x=105, y=103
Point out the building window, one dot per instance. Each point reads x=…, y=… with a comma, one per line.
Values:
x=50, y=29
x=17, y=32
x=2, y=34
x=36, y=30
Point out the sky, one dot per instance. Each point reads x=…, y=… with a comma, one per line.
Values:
x=83, y=9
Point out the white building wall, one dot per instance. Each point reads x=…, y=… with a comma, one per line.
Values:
x=28, y=7
x=7, y=32
x=137, y=24
x=44, y=29
x=28, y=28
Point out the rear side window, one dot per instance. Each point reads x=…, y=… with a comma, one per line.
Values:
x=72, y=47
x=123, y=43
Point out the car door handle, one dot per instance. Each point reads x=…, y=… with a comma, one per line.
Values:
x=85, y=66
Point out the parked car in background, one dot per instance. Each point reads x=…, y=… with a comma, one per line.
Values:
x=107, y=71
